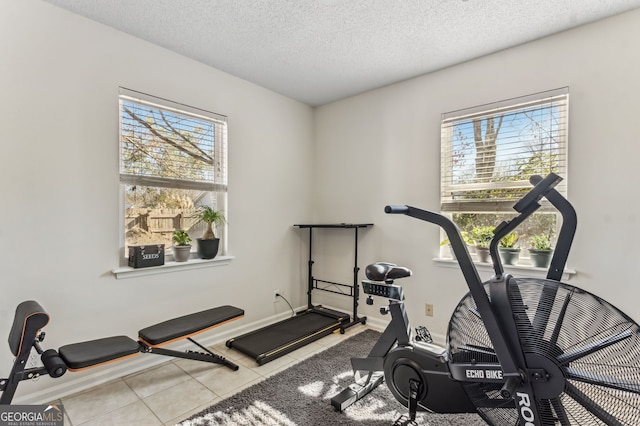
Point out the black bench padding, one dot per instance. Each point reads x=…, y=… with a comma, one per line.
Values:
x=189, y=324
x=93, y=352
x=30, y=317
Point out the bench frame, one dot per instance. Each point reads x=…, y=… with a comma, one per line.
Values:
x=26, y=335
x=206, y=356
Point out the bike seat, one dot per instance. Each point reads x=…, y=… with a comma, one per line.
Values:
x=383, y=271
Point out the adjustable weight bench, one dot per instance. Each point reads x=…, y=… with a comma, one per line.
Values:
x=31, y=317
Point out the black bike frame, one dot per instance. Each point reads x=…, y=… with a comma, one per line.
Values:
x=497, y=312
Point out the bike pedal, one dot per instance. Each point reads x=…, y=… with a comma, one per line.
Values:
x=423, y=335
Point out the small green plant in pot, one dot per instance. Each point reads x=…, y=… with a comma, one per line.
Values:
x=481, y=236
x=181, y=245
x=508, y=251
x=540, y=250
x=208, y=245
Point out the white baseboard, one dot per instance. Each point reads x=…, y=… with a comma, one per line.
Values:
x=380, y=324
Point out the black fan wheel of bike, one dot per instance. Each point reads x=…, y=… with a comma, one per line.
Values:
x=591, y=348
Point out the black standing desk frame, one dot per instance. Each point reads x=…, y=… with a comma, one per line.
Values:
x=282, y=337
x=351, y=290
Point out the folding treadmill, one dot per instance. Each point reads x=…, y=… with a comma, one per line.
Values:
x=311, y=324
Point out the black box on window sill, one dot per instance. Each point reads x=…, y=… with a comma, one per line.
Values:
x=144, y=256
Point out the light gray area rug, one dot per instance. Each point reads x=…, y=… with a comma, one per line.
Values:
x=301, y=396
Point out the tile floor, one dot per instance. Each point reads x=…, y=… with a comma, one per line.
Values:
x=171, y=392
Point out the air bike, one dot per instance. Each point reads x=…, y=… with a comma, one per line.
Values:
x=520, y=351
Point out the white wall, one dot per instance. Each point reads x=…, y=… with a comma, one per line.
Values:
x=383, y=147
x=289, y=164
x=59, y=221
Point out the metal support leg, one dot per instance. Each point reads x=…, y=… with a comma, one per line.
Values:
x=196, y=356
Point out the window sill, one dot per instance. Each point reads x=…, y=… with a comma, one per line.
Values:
x=128, y=272
x=482, y=267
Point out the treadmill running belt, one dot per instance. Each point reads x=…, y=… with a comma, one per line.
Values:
x=285, y=336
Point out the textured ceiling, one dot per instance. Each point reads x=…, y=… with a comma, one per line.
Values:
x=318, y=51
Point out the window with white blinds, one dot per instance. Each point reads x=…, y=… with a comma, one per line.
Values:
x=489, y=153
x=173, y=159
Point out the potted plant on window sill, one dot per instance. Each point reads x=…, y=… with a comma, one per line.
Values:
x=181, y=247
x=508, y=252
x=482, y=235
x=208, y=245
x=540, y=251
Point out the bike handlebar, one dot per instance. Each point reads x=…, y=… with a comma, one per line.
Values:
x=453, y=234
x=541, y=188
x=396, y=209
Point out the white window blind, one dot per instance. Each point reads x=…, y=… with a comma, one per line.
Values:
x=170, y=145
x=489, y=152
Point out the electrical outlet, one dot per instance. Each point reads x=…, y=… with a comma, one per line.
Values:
x=276, y=297
x=428, y=309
